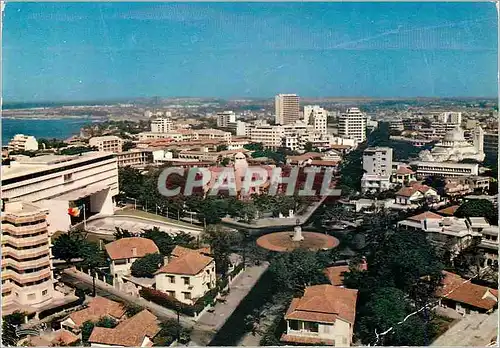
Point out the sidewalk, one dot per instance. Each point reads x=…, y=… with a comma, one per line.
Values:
x=210, y=322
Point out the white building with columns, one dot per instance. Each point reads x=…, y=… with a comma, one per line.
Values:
x=57, y=182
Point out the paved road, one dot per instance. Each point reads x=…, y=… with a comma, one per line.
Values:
x=212, y=321
x=476, y=330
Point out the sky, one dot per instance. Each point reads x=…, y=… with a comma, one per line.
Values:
x=96, y=51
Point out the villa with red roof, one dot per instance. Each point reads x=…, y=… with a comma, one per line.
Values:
x=123, y=252
x=188, y=275
x=415, y=194
x=323, y=315
x=465, y=297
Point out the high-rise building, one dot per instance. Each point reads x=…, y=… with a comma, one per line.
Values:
x=490, y=144
x=108, y=143
x=26, y=266
x=316, y=116
x=22, y=142
x=352, y=125
x=224, y=118
x=162, y=125
x=454, y=118
x=377, y=164
x=287, y=108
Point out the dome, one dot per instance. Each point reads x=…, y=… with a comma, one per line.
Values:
x=455, y=135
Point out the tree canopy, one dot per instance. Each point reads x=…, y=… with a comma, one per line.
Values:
x=146, y=266
x=478, y=208
x=167, y=242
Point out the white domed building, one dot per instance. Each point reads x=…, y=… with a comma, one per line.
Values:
x=454, y=147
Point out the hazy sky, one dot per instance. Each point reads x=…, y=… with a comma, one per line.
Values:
x=88, y=51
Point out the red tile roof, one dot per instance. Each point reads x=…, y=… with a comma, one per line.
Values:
x=99, y=307
x=467, y=293
x=129, y=333
x=324, y=303
x=422, y=188
x=406, y=191
x=450, y=211
x=124, y=248
x=64, y=338
x=186, y=261
x=426, y=215
x=404, y=171
x=336, y=273
x=306, y=340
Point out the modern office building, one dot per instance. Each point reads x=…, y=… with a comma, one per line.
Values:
x=135, y=158
x=224, y=118
x=445, y=169
x=490, y=145
x=109, y=143
x=21, y=142
x=287, y=108
x=56, y=182
x=162, y=125
x=352, y=125
x=27, y=281
x=317, y=117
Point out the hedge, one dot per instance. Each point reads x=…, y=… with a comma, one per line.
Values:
x=161, y=298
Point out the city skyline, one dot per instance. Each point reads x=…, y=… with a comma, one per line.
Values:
x=254, y=50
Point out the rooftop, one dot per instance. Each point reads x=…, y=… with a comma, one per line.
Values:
x=336, y=273
x=324, y=303
x=131, y=247
x=99, y=307
x=186, y=261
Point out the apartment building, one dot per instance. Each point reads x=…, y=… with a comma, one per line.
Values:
x=224, y=118
x=162, y=125
x=316, y=116
x=135, y=158
x=352, y=125
x=450, y=117
x=21, y=142
x=445, y=169
x=27, y=280
x=323, y=315
x=212, y=134
x=188, y=275
x=240, y=128
x=377, y=164
x=286, y=108
x=55, y=182
x=109, y=143
x=270, y=136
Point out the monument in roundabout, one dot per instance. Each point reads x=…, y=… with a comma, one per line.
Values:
x=288, y=241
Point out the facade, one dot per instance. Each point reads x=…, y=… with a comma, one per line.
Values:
x=136, y=331
x=110, y=143
x=162, y=125
x=124, y=252
x=445, y=169
x=270, y=136
x=377, y=164
x=55, y=182
x=240, y=128
x=466, y=297
x=454, y=147
x=416, y=194
x=27, y=280
x=324, y=315
x=403, y=175
x=135, y=158
x=188, y=275
x=286, y=108
x=491, y=145
x=225, y=118
x=450, y=117
x=316, y=116
x=352, y=125
x=21, y=142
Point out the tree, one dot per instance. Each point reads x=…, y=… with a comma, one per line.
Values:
x=77, y=150
x=222, y=147
x=128, y=145
x=130, y=181
x=146, y=266
x=10, y=323
x=106, y=322
x=292, y=272
x=170, y=330
x=222, y=242
x=122, y=233
x=308, y=147
x=478, y=208
x=93, y=258
x=86, y=330
x=132, y=309
x=166, y=242
x=68, y=246
x=254, y=147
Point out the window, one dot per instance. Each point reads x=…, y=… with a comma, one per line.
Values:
x=44, y=292
x=186, y=281
x=187, y=295
x=294, y=324
x=68, y=177
x=171, y=279
x=31, y=296
x=311, y=326
x=171, y=293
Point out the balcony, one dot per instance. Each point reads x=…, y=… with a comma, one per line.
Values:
x=23, y=242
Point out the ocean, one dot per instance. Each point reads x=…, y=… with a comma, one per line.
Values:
x=62, y=128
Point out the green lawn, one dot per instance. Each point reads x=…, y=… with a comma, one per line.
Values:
x=146, y=215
